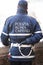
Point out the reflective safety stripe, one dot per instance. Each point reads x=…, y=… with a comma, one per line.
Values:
x=25, y=46
x=5, y=33
x=38, y=32
x=32, y=56
x=23, y=56
x=17, y=45
x=23, y=34
x=11, y=34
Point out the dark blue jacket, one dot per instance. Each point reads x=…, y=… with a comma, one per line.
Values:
x=21, y=30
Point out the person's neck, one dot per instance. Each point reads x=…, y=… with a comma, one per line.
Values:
x=21, y=11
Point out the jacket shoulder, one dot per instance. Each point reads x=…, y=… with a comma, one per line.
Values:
x=9, y=19
x=33, y=20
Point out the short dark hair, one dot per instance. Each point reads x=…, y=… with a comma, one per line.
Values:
x=23, y=4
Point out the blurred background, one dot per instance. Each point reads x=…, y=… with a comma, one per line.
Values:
x=9, y=8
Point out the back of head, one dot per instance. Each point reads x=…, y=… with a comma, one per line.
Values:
x=22, y=6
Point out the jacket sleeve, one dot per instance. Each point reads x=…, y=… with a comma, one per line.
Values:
x=36, y=36
x=5, y=33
